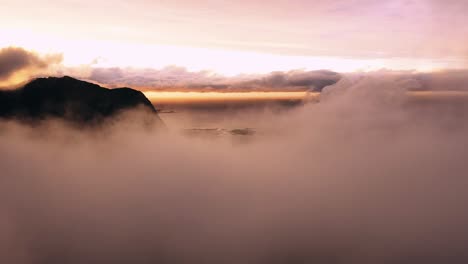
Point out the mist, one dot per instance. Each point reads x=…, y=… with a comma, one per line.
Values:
x=364, y=176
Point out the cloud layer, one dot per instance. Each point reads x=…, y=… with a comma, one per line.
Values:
x=362, y=177
x=179, y=78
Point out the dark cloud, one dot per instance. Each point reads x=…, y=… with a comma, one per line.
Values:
x=13, y=60
x=295, y=80
x=170, y=76
x=179, y=78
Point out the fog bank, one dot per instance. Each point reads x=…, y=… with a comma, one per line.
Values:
x=361, y=177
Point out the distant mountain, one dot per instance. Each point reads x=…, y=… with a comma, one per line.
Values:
x=70, y=99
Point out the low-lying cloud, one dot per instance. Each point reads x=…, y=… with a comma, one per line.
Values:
x=443, y=80
x=295, y=80
x=180, y=79
x=175, y=78
x=361, y=177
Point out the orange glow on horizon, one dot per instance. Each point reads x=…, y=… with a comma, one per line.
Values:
x=207, y=97
x=179, y=98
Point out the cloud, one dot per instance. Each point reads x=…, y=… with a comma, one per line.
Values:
x=179, y=78
x=167, y=77
x=296, y=80
x=444, y=80
x=14, y=60
x=361, y=177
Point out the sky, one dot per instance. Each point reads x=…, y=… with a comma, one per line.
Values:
x=243, y=37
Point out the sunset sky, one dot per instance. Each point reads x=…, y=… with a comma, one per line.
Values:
x=233, y=37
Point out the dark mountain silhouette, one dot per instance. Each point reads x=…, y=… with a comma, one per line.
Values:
x=70, y=99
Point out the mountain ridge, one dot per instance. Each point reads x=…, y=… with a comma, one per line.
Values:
x=70, y=99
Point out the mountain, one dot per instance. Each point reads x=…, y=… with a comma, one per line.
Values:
x=70, y=99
